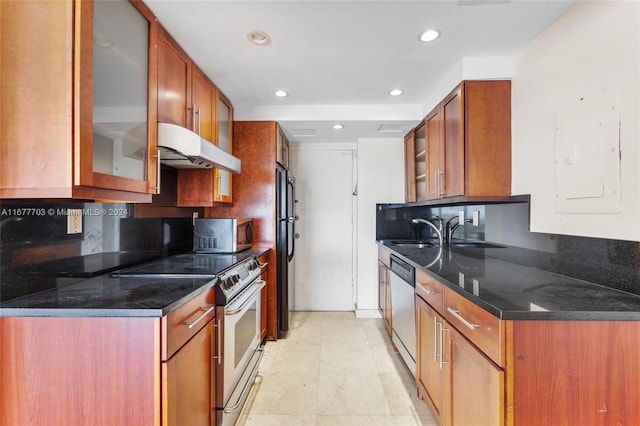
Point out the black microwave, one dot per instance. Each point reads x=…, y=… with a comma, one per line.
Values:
x=222, y=235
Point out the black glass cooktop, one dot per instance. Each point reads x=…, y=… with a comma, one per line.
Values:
x=188, y=264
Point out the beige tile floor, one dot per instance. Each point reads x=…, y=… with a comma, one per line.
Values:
x=334, y=369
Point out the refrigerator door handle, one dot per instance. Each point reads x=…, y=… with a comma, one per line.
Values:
x=292, y=219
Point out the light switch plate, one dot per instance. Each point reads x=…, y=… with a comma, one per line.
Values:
x=74, y=221
x=461, y=217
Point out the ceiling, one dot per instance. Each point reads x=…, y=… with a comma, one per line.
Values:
x=338, y=60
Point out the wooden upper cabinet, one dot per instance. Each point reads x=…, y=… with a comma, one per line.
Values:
x=418, y=158
x=282, y=149
x=487, y=137
x=452, y=180
x=203, y=108
x=200, y=187
x=85, y=128
x=409, y=167
x=223, y=179
x=188, y=98
x=435, y=154
x=468, y=144
x=174, y=82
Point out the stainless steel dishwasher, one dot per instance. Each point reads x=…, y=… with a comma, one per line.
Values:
x=403, y=310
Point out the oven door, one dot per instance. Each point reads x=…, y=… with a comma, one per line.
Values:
x=241, y=349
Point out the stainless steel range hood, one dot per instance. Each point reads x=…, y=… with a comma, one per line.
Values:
x=183, y=149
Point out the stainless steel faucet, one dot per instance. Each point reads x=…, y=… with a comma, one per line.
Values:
x=435, y=228
x=452, y=228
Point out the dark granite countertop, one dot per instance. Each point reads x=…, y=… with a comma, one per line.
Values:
x=106, y=296
x=110, y=295
x=514, y=291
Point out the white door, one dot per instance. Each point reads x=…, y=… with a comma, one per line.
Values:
x=324, y=251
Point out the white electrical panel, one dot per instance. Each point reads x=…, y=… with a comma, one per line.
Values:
x=587, y=155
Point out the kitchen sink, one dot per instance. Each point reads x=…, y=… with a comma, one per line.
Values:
x=476, y=244
x=413, y=245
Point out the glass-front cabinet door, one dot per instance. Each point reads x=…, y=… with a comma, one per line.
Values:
x=118, y=130
x=222, y=184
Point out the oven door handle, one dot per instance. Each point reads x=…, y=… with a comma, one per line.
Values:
x=247, y=385
x=235, y=311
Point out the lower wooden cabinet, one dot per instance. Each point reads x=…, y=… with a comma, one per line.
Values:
x=477, y=384
x=384, y=294
x=187, y=382
x=430, y=365
x=124, y=371
x=475, y=369
x=575, y=373
x=80, y=371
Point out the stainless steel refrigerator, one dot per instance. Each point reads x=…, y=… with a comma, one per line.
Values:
x=285, y=248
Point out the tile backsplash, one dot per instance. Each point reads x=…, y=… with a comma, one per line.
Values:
x=36, y=251
x=612, y=263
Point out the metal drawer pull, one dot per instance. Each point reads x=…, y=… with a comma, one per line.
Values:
x=193, y=323
x=428, y=290
x=462, y=320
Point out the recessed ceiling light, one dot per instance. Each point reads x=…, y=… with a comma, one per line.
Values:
x=280, y=93
x=338, y=127
x=259, y=38
x=429, y=35
x=395, y=92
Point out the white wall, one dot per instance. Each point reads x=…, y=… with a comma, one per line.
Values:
x=590, y=53
x=380, y=179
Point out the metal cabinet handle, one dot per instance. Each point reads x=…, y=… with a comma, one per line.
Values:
x=219, y=191
x=199, y=128
x=157, y=187
x=202, y=316
x=219, y=336
x=442, y=330
x=462, y=320
x=435, y=340
x=193, y=117
x=438, y=180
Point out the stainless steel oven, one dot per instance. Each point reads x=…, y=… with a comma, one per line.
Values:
x=238, y=327
x=237, y=321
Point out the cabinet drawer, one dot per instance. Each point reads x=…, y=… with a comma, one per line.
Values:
x=384, y=255
x=182, y=324
x=479, y=326
x=429, y=289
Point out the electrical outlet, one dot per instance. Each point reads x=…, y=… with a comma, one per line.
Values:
x=461, y=217
x=194, y=216
x=476, y=218
x=74, y=221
